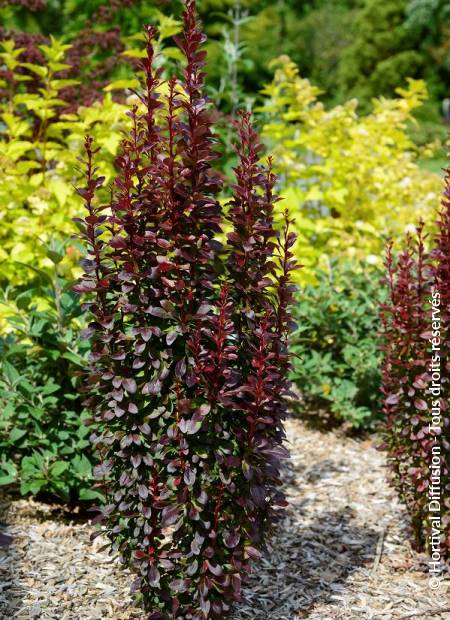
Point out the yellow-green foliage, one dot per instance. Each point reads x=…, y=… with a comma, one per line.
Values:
x=39, y=147
x=348, y=180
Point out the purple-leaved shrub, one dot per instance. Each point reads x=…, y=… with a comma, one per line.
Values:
x=416, y=368
x=188, y=371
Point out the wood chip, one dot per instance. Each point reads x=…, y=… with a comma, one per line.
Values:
x=341, y=551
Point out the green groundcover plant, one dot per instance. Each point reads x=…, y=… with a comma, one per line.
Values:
x=189, y=362
x=335, y=346
x=44, y=443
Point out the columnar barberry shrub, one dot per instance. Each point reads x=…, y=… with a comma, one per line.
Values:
x=189, y=359
x=415, y=380
x=440, y=255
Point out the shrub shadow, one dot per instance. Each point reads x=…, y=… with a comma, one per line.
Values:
x=305, y=566
x=300, y=473
x=317, y=416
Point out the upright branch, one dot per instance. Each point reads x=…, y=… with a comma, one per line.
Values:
x=151, y=95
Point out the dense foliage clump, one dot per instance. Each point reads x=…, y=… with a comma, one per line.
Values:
x=44, y=441
x=383, y=52
x=415, y=380
x=338, y=212
x=335, y=348
x=38, y=143
x=189, y=346
x=360, y=48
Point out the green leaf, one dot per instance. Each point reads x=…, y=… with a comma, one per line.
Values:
x=38, y=69
x=59, y=84
x=16, y=434
x=73, y=357
x=59, y=66
x=82, y=465
x=83, y=444
x=173, y=52
x=122, y=85
x=27, y=387
x=61, y=489
x=37, y=413
x=33, y=486
x=10, y=372
x=58, y=468
x=134, y=53
x=32, y=464
x=168, y=26
x=50, y=387
x=89, y=494
x=7, y=479
x=62, y=190
x=8, y=473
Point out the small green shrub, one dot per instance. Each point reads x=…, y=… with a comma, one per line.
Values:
x=44, y=442
x=336, y=359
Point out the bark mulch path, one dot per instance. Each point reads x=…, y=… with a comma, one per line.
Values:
x=341, y=552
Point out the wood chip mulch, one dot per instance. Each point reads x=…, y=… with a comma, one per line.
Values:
x=341, y=552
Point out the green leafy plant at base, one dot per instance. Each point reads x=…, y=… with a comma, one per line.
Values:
x=44, y=443
x=335, y=346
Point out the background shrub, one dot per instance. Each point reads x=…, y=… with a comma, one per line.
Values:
x=188, y=368
x=339, y=212
x=394, y=40
x=383, y=52
x=348, y=47
x=39, y=146
x=336, y=347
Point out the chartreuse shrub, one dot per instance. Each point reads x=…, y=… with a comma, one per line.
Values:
x=188, y=367
x=44, y=443
x=416, y=320
x=335, y=347
x=351, y=179
x=38, y=157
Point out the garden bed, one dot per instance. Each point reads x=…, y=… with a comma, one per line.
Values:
x=341, y=551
